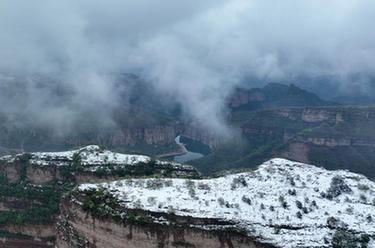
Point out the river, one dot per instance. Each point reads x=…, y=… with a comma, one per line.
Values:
x=188, y=155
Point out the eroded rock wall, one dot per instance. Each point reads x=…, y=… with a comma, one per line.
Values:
x=77, y=228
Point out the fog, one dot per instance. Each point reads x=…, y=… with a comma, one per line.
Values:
x=197, y=51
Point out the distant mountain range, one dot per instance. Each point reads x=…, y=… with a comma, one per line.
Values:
x=274, y=95
x=277, y=119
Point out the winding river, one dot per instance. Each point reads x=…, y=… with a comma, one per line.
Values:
x=188, y=155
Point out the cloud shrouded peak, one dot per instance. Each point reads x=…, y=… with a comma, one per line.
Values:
x=195, y=50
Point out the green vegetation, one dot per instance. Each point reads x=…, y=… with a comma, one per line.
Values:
x=342, y=238
x=100, y=204
x=42, y=202
x=23, y=161
x=238, y=155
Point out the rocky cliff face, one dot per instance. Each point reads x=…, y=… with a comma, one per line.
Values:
x=90, y=163
x=282, y=203
x=160, y=135
x=242, y=97
x=79, y=228
x=31, y=185
x=333, y=136
x=201, y=135
x=151, y=135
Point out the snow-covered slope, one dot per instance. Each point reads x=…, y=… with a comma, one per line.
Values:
x=284, y=203
x=91, y=158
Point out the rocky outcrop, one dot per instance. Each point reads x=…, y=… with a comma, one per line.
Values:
x=87, y=164
x=32, y=184
x=283, y=203
x=320, y=135
x=243, y=96
x=204, y=136
x=297, y=151
x=77, y=228
x=29, y=242
x=160, y=135
x=40, y=231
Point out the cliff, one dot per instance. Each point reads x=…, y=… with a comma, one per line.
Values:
x=281, y=204
x=85, y=164
x=31, y=185
x=79, y=228
x=333, y=137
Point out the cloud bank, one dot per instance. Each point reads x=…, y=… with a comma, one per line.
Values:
x=195, y=50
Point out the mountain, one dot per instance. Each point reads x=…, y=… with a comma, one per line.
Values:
x=333, y=137
x=274, y=95
x=140, y=121
x=280, y=204
x=32, y=184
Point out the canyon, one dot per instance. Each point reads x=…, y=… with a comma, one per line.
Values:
x=32, y=184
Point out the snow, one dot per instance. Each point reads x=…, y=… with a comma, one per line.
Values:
x=228, y=197
x=90, y=156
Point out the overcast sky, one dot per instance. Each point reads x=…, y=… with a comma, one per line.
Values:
x=197, y=50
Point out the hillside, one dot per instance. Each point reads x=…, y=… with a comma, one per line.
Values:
x=32, y=184
x=274, y=95
x=334, y=137
x=282, y=203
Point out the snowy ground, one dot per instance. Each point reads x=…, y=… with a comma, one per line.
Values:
x=90, y=156
x=284, y=203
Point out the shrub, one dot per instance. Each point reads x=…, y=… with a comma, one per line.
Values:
x=349, y=210
x=204, y=186
x=221, y=201
x=337, y=187
x=292, y=192
x=262, y=206
x=363, y=198
x=363, y=187
x=76, y=161
x=299, y=204
x=238, y=181
x=154, y=184
x=283, y=203
x=299, y=215
x=246, y=200
x=292, y=182
x=192, y=192
x=151, y=200
x=369, y=218
x=24, y=158
x=99, y=202
x=168, y=183
x=344, y=239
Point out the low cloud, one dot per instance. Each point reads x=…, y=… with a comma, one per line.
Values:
x=196, y=51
